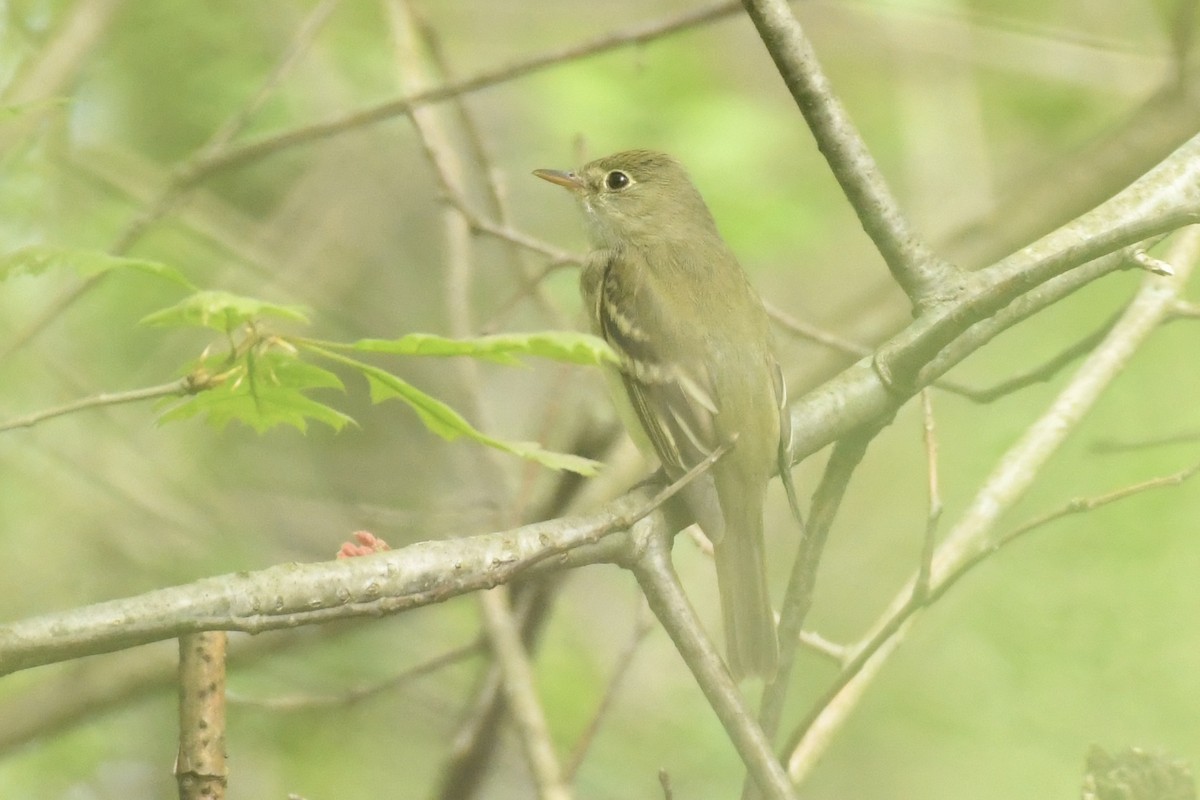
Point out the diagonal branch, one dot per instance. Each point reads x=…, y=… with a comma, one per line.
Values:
x=923, y=277
x=181, y=179
x=847, y=455
x=656, y=576
x=971, y=539
x=504, y=637
x=1101, y=241
x=632, y=35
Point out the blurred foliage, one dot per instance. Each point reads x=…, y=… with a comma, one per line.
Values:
x=1078, y=634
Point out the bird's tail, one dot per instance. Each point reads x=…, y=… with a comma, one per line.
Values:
x=751, y=646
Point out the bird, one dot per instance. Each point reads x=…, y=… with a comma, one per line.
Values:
x=696, y=368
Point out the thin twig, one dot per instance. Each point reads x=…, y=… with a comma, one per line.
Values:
x=643, y=624
x=358, y=694
x=632, y=35
x=664, y=780
x=885, y=636
x=512, y=668
x=968, y=542
x=815, y=642
x=1084, y=504
x=477, y=737
x=846, y=456
x=182, y=178
x=177, y=388
x=812, y=333
x=474, y=137
x=1039, y=374
x=290, y=595
x=921, y=584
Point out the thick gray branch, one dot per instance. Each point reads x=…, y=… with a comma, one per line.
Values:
x=288, y=595
x=1164, y=199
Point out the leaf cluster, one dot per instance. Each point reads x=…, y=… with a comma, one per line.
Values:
x=261, y=377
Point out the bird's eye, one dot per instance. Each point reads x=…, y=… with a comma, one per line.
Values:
x=616, y=180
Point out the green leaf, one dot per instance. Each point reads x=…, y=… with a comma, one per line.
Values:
x=221, y=311
x=569, y=346
x=448, y=423
x=262, y=392
x=37, y=258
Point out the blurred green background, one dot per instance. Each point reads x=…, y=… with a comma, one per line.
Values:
x=994, y=122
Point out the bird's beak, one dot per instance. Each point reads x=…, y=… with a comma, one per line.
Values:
x=568, y=180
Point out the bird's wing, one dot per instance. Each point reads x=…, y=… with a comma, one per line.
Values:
x=786, y=434
x=664, y=371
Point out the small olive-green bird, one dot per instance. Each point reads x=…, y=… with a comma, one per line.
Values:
x=696, y=366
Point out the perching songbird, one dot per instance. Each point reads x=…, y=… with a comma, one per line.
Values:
x=696, y=365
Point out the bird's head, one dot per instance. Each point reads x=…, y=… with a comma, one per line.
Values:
x=636, y=196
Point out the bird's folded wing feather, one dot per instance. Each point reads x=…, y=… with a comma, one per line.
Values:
x=666, y=378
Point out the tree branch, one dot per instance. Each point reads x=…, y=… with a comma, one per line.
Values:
x=969, y=541
x=288, y=595
x=847, y=455
x=176, y=388
x=1164, y=199
x=923, y=277
x=505, y=640
x=634, y=34
x=200, y=767
x=656, y=576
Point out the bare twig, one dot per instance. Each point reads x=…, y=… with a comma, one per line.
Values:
x=921, y=584
x=475, y=740
x=837, y=653
x=57, y=62
x=497, y=204
x=1039, y=374
x=358, y=694
x=1020, y=465
x=1084, y=504
x=289, y=595
x=969, y=540
x=501, y=628
x=922, y=276
x=632, y=35
x=182, y=178
x=643, y=624
x=1022, y=308
x=664, y=780
x=1155, y=266
x=1163, y=199
x=812, y=333
x=177, y=388
x=477, y=737
x=842, y=695
x=846, y=456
